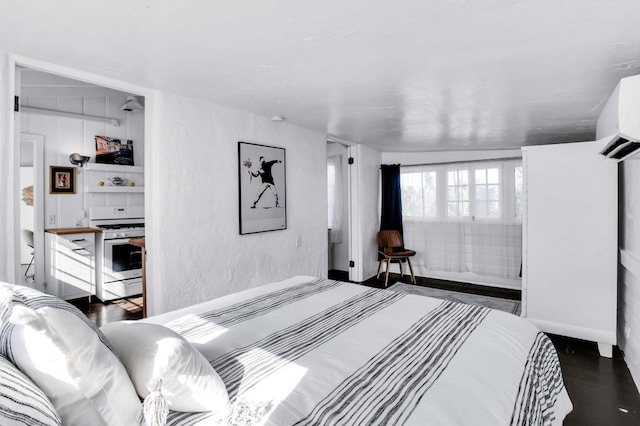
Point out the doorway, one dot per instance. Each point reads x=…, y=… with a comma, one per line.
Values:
x=67, y=114
x=338, y=232
x=31, y=218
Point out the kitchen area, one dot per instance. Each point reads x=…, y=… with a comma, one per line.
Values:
x=82, y=182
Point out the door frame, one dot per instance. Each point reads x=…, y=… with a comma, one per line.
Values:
x=354, y=236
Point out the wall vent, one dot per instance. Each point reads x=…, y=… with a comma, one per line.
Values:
x=620, y=148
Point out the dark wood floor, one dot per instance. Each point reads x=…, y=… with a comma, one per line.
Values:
x=601, y=389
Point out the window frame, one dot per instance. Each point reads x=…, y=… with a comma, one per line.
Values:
x=506, y=192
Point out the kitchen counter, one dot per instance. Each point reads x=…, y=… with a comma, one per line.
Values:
x=76, y=230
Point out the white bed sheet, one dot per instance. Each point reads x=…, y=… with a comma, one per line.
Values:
x=309, y=351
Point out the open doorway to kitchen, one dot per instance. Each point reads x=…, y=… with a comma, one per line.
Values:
x=61, y=115
x=338, y=232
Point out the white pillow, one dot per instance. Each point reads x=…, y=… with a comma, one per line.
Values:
x=149, y=351
x=67, y=358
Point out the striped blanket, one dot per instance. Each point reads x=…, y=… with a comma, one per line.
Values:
x=308, y=351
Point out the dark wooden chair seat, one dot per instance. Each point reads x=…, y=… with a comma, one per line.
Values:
x=392, y=250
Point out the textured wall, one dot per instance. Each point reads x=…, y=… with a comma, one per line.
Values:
x=629, y=270
x=194, y=240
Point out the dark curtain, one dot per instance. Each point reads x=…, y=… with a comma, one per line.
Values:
x=391, y=198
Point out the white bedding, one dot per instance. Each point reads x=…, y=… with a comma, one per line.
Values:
x=307, y=351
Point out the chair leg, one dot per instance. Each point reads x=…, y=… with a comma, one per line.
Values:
x=401, y=269
x=26, y=273
x=386, y=274
x=413, y=277
x=379, y=266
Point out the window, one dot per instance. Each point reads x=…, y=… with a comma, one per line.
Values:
x=458, y=193
x=485, y=191
x=487, y=184
x=518, y=192
x=419, y=197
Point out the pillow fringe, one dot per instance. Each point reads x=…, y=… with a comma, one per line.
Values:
x=155, y=407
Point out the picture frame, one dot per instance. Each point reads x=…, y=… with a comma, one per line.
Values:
x=262, y=188
x=62, y=180
x=114, y=151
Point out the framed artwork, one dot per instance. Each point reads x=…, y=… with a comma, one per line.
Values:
x=62, y=180
x=262, y=186
x=114, y=151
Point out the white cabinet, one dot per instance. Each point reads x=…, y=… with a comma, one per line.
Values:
x=570, y=241
x=70, y=263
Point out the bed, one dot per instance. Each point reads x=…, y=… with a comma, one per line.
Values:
x=311, y=351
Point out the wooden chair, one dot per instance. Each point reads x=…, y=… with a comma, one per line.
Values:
x=391, y=249
x=27, y=234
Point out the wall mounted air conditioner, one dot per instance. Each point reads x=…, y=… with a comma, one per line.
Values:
x=619, y=121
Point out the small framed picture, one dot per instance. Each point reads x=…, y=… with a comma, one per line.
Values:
x=62, y=180
x=262, y=184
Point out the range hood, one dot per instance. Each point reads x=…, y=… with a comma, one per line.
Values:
x=619, y=121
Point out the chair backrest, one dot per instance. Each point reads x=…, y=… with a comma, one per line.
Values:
x=389, y=239
x=27, y=234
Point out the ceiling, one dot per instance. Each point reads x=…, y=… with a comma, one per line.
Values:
x=405, y=75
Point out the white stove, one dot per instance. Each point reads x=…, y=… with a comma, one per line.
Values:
x=118, y=263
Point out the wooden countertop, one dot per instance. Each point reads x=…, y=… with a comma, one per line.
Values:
x=138, y=242
x=77, y=230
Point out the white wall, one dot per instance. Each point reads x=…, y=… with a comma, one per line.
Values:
x=629, y=269
x=194, y=198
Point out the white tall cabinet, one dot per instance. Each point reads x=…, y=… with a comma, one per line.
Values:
x=570, y=241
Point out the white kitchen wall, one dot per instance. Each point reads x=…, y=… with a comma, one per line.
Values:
x=629, y=268
x=63, y=136
x=194, y=238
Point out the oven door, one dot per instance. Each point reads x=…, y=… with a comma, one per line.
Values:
x=122, y=261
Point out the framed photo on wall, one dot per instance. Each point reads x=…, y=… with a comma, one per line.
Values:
x=62, y=180
x=262, y=186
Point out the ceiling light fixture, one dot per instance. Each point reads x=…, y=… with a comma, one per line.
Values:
x=277, y=118
x=133, y=104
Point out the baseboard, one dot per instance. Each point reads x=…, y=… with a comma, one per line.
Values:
x=469, y=278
